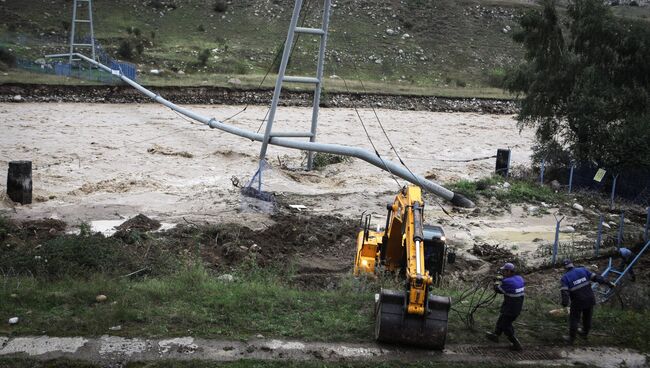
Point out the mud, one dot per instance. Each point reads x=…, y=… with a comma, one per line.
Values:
x=140, y=223
x=113, y=349
x=319, y=248
x=219, y=95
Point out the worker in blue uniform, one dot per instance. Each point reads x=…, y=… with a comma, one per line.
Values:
x=576, y=289
x=512, y=287
x=627, y=256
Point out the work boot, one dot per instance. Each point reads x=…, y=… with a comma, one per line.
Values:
x=516, y=345
x=569, y=339
x=492, y=336
x=582, y=333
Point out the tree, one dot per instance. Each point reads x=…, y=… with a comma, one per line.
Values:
x=586, y=86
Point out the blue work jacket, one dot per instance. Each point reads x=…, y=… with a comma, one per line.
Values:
x=513, y=289
x=576, y=287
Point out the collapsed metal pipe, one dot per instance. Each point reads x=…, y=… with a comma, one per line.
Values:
x=398, y=170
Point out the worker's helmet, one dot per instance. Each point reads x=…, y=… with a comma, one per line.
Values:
x=508, y=266
x=567, y=263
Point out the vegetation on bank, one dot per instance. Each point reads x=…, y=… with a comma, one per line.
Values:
x=515, y=191
x=586, y=85
x=180, y=296
x=459, y=49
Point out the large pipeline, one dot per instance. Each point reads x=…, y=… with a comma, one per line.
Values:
x=398, y=170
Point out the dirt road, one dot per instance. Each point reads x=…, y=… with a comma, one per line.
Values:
x=106, y=349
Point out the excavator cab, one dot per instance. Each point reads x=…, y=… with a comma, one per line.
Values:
x=412, y=316
x=435, y=252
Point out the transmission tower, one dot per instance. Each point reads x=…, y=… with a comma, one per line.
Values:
x=78, y=19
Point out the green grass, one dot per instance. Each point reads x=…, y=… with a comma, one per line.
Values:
x=193, y=302
x=519, y=191
x=189, y=302
x=453, y=50
x=247, y=43
x=252, y=81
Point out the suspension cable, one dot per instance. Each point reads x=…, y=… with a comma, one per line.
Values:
x=369, y=137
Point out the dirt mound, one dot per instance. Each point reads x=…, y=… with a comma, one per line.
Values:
x=140, y=223
x=31, y=229
x=497, y=255
x=310, y=245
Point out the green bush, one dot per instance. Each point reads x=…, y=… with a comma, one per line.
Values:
x=220, y=6
x=321, y=160
x=496, y=77
x=232, y=66
x=203, y=57
x=125, y=50
x=7, y=57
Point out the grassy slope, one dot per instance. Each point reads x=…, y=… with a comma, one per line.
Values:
x=454, y=49
x=462, y=44
x=193, y=302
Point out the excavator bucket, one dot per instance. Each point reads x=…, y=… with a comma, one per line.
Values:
x=394, y=325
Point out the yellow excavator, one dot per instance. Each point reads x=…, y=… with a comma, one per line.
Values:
x=413, y=316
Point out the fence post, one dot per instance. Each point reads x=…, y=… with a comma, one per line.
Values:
x=557, y=239
x=600, y=234
x=571, y=177
x=611, y=203
x=620, y=230
x=647, y=224
x=541, y=172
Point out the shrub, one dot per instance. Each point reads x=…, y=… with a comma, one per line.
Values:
x=496, y=77
x=7, y=57
x=220, y=6
x=125, y=50
x=321, y=160
x=204, y=56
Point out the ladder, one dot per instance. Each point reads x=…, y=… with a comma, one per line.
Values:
x=316, y=81
x=604, y=293
x=74, y=43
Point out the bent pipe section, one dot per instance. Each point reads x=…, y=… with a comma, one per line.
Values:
x=455, y=198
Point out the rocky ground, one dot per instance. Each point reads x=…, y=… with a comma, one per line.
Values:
x=229, y=96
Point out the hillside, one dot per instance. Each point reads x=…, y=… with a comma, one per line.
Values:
x=412, y=46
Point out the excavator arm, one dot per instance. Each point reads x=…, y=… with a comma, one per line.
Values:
x=412, y=316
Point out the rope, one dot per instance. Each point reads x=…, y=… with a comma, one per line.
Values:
x=417, y=179
x=370, y=138
x=469, y=160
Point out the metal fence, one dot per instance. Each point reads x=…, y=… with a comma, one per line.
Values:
x=630, y=185
x=82, y=70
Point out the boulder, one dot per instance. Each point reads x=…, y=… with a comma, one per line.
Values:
x=234, y=81
x=567, y=229
x=578, y=207
x=226, y=278
x=555, y=185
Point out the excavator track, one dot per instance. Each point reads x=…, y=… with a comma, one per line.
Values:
x=394, y=325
